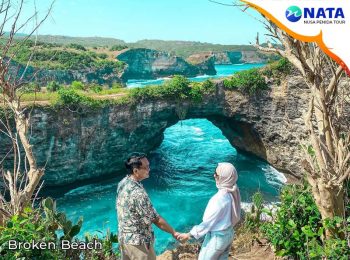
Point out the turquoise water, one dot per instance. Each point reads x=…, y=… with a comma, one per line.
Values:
x=180, y=184
x=222, y=71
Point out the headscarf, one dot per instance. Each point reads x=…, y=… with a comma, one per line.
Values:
x=227, y=178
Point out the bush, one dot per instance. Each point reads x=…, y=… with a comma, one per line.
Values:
x=66, y=60
x=76, y=46
x=178, y=88
x=95, y=88
x=208, y=86
x=43, y=225
x=53, y=86
x=118, y=47
x=78, y=85
x=102, y=56
x=71, y=98
x=249, y=81
x=116, y=85
x=297, y=228
x=278, y=68
x=252, y=220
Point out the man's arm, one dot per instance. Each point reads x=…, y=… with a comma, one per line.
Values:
x=163, y=225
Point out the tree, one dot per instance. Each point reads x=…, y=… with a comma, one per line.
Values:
x=327, y=154
x=22, y=178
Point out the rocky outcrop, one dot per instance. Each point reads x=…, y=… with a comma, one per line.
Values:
x=93, y=143
x=238, y=57
x=151, y=64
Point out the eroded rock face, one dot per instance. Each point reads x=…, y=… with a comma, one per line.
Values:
x=94, y=143
x=150, y=64
x=237, y=57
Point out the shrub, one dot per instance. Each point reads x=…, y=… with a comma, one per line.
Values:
x=297, y=228
x=74, y=100
x=118, y=47
x=78, y=85
x=208, y=86
x=278, y=68
x=76, y=46
x=252, y=220
x=102, y=55
x=116, y=85
x=53, y=86
x=47, y=225
x=178, y=88
x=249, y=81
x=95, y=88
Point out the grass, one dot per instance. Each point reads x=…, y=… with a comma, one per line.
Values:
x=50, y=97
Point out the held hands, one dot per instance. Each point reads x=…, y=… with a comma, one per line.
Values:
x=183, y=237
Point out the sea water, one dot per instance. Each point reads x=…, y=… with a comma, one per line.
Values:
x=181, y=182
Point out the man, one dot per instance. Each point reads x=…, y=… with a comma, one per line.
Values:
x=136, y=213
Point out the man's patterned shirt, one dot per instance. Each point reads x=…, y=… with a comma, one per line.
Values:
x=135, y=213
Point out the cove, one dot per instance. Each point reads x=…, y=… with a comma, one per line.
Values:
x=180, y=184
x=221, y=72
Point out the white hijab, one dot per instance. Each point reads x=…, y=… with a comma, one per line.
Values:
x=227, y=178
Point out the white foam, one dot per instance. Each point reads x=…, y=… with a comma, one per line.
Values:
x=273, y=176
x=197, y=130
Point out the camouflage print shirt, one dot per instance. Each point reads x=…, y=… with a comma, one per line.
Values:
x=135, y=213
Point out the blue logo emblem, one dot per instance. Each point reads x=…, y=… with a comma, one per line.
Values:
x=293, y=13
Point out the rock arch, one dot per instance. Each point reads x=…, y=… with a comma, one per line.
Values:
x=80, y=147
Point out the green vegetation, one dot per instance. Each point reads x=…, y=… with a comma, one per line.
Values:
x=180, y=48
x=84, y=41
x=118, y=47
x=73, y=99
x=63, y=59
x=252, y=220
x=297, y=229
x=253, y=80
x=186, y=48
x=76, y=46
x=178, y=88
x=50, y=97
x=77, y=85
x=53, y=86
x=71, y=57
x=279, y=68
x=31, y=88
x=41, y=225
x=248, y=81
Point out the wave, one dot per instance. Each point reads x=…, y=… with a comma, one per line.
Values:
x=273, y=176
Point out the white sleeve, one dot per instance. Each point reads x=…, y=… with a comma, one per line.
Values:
x=211, y=219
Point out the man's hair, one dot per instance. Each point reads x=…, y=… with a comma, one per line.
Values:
x=134, y=161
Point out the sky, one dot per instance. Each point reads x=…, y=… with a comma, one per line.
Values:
x=132, y=20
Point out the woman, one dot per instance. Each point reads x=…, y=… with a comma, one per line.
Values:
x=222, y=213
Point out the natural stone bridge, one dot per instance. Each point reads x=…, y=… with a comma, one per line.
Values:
x=78, y=147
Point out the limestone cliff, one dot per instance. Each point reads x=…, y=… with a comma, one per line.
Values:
x=82, y=146
x=151, y=64
x=237, y=57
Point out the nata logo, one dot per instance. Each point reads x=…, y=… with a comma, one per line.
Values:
x=293, y=13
